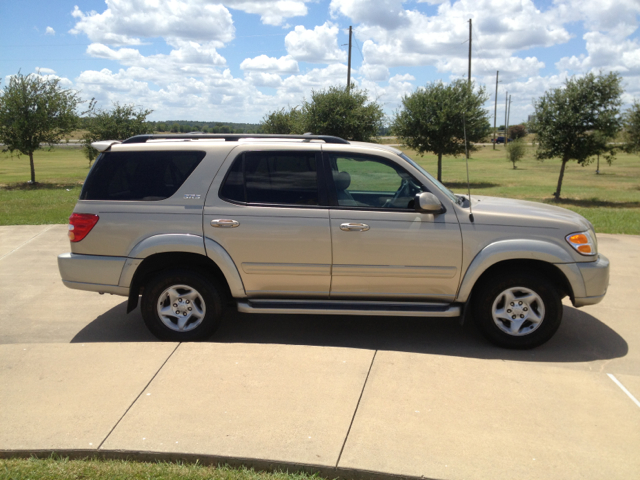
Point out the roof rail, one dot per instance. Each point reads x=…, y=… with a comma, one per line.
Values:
x=231, y=137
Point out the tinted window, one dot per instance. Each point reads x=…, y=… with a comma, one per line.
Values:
x=285, y=178
x=372, y=182
x=146, y=176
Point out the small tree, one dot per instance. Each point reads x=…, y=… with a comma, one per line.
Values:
x=119, y=123
x=632, y=128
x=517, y=131
x=515, y=151
x=283, y=122
x=343, y=113
x=35, y=109
x=431, y=119
x=567, y=119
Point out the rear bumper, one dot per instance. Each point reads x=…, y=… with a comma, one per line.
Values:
x=92, y=273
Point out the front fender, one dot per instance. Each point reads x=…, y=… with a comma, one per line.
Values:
x=500, y=251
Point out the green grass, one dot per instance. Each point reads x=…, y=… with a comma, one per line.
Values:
x=64, y=469
x=611, y=200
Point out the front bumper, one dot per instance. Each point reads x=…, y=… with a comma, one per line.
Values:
x=92, y=272
x=595, y=276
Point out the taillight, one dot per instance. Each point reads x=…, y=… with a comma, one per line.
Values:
x=80, y=224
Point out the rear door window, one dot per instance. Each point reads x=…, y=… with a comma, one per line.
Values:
x=271, y=177
x=144, y=176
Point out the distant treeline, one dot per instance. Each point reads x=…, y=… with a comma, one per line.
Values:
x=184, y=126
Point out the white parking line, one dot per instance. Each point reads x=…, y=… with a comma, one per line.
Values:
x=617, y=382
x=23, y=244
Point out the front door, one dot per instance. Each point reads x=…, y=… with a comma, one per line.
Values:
x=382, y=247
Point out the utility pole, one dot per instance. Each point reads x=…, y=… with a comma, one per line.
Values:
x=495, y=111
x=469, y=78
x=506, y=106
x=469, y=74
x=349, y=66
x=506, y=133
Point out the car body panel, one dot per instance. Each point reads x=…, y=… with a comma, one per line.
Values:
x=278, y=250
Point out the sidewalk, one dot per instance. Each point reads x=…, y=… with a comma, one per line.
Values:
x=349, y=397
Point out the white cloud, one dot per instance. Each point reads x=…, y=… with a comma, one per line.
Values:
x=262, y=79
x=440, y=40
x=271, y=12
x=384, y=13
x=126, y=22
x=319, y=45
x=49, y=31
x=45, y=71
x=376, y=73
x=187, y=53
x=263, y=63
x=617, y=17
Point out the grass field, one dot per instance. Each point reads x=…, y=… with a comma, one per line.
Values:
x=611, y=200
x=55, y=468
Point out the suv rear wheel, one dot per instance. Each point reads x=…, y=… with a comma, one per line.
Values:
x=181, y=306
x=517, y=311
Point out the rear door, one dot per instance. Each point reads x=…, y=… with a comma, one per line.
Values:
x=267, y=210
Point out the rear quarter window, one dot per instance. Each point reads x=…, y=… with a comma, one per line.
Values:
x=142, y=176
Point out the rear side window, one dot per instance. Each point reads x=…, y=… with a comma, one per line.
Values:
x=145, y=176
x=283, y=178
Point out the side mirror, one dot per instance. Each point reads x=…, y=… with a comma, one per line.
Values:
x=427, y=202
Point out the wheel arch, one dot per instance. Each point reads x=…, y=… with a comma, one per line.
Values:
x=177, y=260
x=537, y=256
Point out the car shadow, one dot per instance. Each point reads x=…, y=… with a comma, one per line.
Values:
x=580, y=338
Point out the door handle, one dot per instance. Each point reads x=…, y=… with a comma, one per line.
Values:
x=224, y=223
x=354, y=227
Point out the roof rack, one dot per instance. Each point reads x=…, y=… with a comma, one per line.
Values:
x=231, y=137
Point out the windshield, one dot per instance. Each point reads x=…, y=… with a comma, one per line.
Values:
x=438, y=185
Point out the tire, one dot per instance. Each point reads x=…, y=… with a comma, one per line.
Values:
x=517, y=311
x=182, y=306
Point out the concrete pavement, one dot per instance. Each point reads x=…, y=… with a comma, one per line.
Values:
x=345, y=396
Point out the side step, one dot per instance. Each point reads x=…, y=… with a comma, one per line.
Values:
x=349, y=307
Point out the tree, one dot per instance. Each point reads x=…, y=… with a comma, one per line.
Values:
x=35, y=109
x=632, y=127
x=342, y=112
x=119, y=123
x=515, y=151
x=431, y=119
x=283, y=122
x=517, y=131
x=567, y=119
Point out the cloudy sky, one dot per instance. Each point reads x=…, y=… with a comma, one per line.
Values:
x=235, y=60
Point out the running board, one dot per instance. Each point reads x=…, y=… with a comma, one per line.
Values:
x=347, y=307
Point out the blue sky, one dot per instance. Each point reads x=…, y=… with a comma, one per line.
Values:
x=236, y=60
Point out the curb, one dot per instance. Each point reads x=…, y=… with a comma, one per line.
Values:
x=212, y=460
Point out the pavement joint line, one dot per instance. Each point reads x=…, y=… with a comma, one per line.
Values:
x=624, y=389
x=139, y=395
x=356, y=410
x=28, y=241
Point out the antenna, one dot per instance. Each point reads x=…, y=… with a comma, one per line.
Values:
x=466, y=151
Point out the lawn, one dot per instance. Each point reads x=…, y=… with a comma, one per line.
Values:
x=56, y=468
x=611, y=200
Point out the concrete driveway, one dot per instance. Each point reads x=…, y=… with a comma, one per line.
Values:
x=345, y=396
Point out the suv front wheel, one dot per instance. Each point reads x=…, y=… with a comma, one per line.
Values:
x=517, y=311
x=181, y=306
